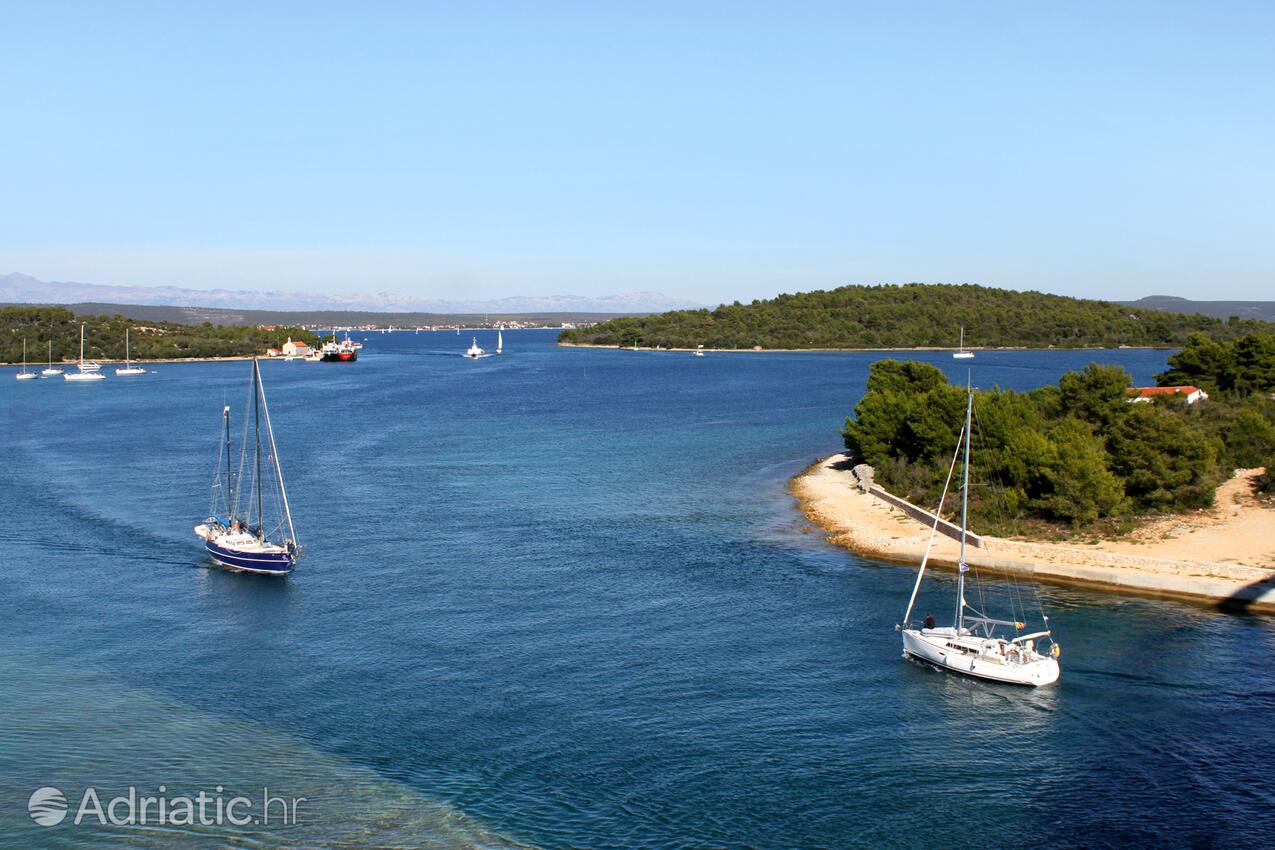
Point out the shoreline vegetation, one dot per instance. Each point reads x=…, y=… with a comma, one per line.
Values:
x=1074, y=483
x=911, y=316
x=150, y=342
x=935, y=348
x=1174, y=556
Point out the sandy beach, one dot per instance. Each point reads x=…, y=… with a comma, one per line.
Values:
x=1224, y=556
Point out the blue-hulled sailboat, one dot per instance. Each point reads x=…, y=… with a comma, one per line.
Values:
x=237, y=533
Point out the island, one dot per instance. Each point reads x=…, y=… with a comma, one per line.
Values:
x=913, y=315
x=1167, y=489
x=148, y=340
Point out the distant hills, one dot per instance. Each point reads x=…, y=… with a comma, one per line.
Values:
x=322, y=318
x=910, y=316
x=24, y=289
x=1264, y=310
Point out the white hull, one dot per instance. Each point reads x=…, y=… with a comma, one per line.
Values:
x=131, y=370
x=84, y=376
x=50, y=373
x=998, y=661
x=27, y=376
x=963, y=355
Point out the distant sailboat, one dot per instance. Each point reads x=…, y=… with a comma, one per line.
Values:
x=699, y=352
x=24, y=375
x=51, y=371
x=237, y=539
x=500, y=342
x=961, y=353
x=128, y=368
x=88, y=370
x=973, y=645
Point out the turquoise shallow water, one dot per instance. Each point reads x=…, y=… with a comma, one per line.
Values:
x=561, y=598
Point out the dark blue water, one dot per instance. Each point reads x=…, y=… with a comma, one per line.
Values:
x=561, y=598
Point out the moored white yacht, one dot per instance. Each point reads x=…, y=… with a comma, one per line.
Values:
x=976, y=644
x=88, y=370
x=128, y=368
x=52, y=371
x=961, y=353
x=24, y=375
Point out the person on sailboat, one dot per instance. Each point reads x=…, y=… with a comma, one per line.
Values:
x=929, y=621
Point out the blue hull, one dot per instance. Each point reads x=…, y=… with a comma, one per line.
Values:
x=271, y=563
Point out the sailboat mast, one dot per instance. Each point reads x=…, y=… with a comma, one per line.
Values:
x=274, y=451
x=81, y=346
x=256, y=413
x=965, y=506
x=230, y=500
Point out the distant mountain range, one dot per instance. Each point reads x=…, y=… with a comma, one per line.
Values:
x=24, y=289
x=1264, y=310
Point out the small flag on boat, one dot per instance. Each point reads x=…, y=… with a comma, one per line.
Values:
x=965, y=568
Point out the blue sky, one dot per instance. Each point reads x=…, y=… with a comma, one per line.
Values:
x=710, y=150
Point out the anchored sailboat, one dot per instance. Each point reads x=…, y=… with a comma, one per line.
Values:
x=24, y=375
x=88, y=370
x=51, y=371
x=128, y=368
x=976, y=644
x=960, y=353
x=242, y=538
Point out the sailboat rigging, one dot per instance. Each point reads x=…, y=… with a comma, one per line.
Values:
x=974, y=644
x=232, y=538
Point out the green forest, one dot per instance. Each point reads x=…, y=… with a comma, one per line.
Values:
x=909, y=316
x=105, y=337
x=1076, y=454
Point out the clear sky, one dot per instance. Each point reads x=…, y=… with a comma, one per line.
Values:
x=710, y=150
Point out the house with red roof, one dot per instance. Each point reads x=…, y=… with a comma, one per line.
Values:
x=1150, y=394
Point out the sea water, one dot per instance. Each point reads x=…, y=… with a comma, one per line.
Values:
x=561, y=598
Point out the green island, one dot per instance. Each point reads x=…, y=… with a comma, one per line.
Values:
x=913, y=315
x=1077, y=455
x=147, y=340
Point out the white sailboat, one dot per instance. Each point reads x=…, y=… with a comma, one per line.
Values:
x=960, y=353
x=977, y=645
x=128, y=368
x=88, y=370
x=24, y=375
x=500, y=342
x=51, y=371
x=699, y=352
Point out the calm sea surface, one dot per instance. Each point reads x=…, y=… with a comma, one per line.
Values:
x=561, y=599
